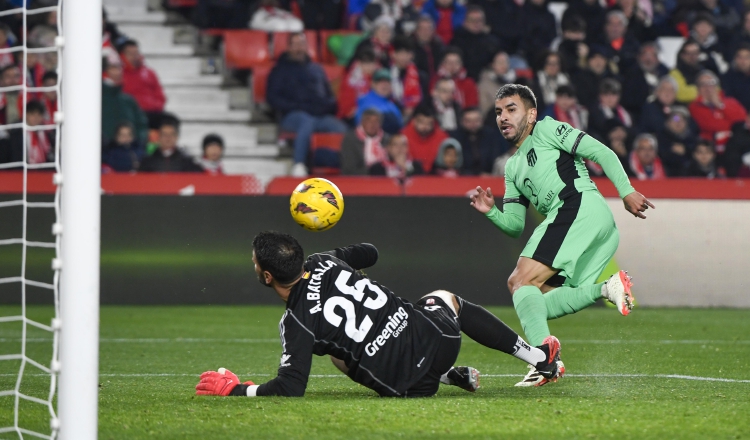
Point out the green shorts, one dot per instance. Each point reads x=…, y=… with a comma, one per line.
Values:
x=578, y=239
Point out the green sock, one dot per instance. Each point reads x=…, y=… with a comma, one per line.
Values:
x=566, y=300
x=532, y=312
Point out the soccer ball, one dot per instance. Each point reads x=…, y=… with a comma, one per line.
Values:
x=316, y=204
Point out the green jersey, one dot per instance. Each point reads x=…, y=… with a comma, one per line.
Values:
x=548, y=167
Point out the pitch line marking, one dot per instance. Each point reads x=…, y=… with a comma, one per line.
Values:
x=330, y=376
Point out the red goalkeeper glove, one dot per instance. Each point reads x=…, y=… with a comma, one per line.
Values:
x=218, y=383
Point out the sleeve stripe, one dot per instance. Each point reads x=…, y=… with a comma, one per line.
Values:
x=522, y=200
x=575, y=144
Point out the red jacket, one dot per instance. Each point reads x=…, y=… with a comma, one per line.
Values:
x=143, y=85
x=424, y=148
x=716, y=124
x=466, y=89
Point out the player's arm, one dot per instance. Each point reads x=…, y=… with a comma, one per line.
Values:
x=578, y=143
x=293, y=373
x=512, y=219
x=358, y=256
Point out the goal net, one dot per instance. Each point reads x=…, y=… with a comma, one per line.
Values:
x=36, y=205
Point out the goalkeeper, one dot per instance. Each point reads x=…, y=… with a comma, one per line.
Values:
x=557, y=270
x=376, y=338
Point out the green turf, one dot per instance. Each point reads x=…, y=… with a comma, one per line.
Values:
x=151, y=358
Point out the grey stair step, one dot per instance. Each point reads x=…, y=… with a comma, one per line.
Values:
x=264, y=169
x=179, y=67
x=196, y=81
x=192, y=115
x=127, y=16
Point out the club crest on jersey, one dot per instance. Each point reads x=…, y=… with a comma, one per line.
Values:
x=330, y=198
x=303, y=208
x=531, y=157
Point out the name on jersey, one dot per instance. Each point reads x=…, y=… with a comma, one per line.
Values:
x=313, y=287
x=396, y=324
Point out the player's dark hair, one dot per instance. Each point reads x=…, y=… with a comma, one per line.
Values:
x=279, y=254
x=520, y=90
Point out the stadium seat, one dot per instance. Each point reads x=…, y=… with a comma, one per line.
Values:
x=260, y=81
x=668, y=49
x=245, y=49
x=182, y=3
x=326, y=55
x=330, y=144
x=335, y=75
x=281, y=41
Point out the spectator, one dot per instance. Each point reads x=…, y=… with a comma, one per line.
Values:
x=587, y=81
x=548, y=79
x=299, y=91
x=639, y=21
x=400, y=11
x=616, y=138
x=726, y=19
x=221, y=14
x=658, y=106
x=619, y=46
x=714, y=113
x=123, y=152
x=504, y=19
x=424, y=135
x=497, y=75
x=49, y=98
x=168, y=158
x=405, y=82
x=686, y=71
x=142, y=83
x=319, y=14
x=356, y=83
x=539, y=29
x=739, y=38
x=428, y=49
x=566, y=109
x=362, y=147
x=379, y=98
x=641, y=79
x=703, y=33
x=703, y=163
x=676, y=141
x=498, y=167
x=111, y=38
x=737, y=154
x=447, y=15
x=480, y=145
x=592, y=13
x=398, y=162
x=118, y=106
x=446, y=109
x=609, y=109
x=736, y=82
x=475, y=41
x=6, y=59
x=213, y=152
x=449, y=159
x=39, y=149
x=11, y=102
x=452, y=67
x=380, y=41
x=572, y=48
x=644, y=161
x=271, y=18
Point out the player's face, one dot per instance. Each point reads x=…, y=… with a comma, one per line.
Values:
x=513, y=118
x=259, y=272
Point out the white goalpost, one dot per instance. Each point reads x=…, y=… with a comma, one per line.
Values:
x=81, y=200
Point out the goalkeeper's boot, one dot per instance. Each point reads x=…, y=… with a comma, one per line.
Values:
x=617, y=291
x=548, y=370
x=462, y=377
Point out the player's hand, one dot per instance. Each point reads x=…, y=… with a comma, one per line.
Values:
x=483, y=200
x=217, y=383
x=636, y=204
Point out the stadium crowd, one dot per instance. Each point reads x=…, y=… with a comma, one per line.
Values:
x=417, y=95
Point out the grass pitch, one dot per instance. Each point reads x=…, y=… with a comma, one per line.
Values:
x=659, y=373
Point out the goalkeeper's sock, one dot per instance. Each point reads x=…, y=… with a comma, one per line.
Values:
x=566, y=300
x=485, y=328
x=529, y=304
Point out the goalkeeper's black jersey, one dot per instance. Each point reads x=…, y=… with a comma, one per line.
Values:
x=387, y=342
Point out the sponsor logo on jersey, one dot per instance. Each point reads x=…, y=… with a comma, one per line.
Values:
x=284, y=358
x=396, y=324
x=313, y=287
x=303, y=208
x=560, y=130
x=330, y=198
x=531, y=157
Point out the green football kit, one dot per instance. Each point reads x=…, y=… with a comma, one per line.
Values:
x=578, y=236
